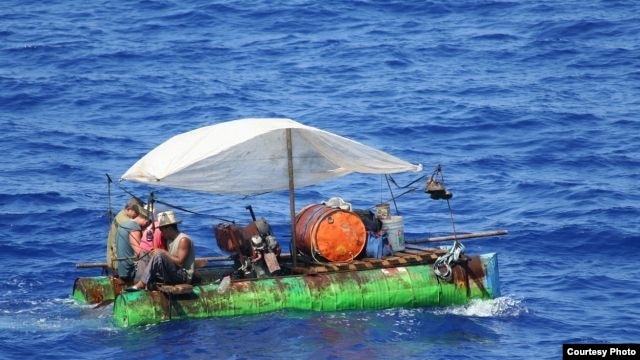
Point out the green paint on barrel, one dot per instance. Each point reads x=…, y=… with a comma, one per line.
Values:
x=411, y=286
x=295, y=293
x=93, y=290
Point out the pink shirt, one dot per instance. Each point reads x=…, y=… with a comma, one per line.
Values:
x=156, y=243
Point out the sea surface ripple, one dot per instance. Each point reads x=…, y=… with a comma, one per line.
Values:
x=531, y=108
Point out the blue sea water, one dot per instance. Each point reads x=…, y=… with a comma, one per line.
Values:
x=531, y=108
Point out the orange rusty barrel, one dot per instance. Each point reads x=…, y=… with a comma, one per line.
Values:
x=334, y=234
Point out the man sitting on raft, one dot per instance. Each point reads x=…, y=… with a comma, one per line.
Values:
x=172, y=266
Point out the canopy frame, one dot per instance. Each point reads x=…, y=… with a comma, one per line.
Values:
x=207, y=159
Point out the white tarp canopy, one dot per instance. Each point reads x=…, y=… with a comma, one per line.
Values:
x=249, y=156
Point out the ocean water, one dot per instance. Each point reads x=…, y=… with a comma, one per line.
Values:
x=531, y=108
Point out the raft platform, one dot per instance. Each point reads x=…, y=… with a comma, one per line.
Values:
x=405, y=279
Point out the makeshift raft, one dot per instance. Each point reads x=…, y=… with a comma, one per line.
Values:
x=328, y=273
x=406, y=279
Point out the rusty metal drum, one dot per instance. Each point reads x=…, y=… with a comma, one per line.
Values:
x=333, y=234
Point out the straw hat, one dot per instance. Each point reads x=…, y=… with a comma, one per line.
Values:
x=167, y=218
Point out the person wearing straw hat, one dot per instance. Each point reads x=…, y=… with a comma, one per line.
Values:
x=175, y=265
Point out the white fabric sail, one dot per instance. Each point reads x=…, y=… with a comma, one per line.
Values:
x=249, y=156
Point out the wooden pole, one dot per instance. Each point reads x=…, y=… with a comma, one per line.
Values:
x=91, y=265
x=459, y=237
x=292, y=202
x=201, y=260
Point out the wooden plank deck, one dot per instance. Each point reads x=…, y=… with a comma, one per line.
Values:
x=407, y=257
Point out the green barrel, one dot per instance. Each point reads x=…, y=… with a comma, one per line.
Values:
x=410, y=286
x=95, y=290
x=101, y=289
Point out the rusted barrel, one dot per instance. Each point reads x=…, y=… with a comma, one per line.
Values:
x=333, y=234
x=94, y=290
x=389, y=287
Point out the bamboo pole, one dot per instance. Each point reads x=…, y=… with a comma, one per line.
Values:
x=459, y=237
x=198, y=260
x=91, y=265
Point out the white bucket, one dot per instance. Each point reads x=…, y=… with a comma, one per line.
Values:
x=394, y=228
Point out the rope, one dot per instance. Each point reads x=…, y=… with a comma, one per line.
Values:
x=406, y=186
x=445, y=261
x=395, y=197
x=392, y=197
x=109, y=211
x=453, y=255
x=152, y=198
x=129, y=192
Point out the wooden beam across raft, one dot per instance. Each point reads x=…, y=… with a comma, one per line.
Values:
x=202, y=261
x=459, y=237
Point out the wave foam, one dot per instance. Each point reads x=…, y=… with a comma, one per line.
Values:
x=504, y=306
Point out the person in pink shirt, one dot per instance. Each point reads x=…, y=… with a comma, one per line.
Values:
x=151, y=239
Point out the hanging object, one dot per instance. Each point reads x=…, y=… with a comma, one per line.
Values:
x=436, y=188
